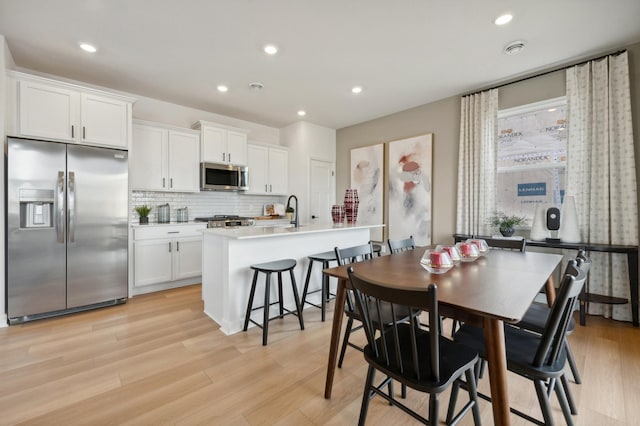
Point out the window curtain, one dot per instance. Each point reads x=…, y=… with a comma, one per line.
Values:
x=477, y=162
x=601, y=171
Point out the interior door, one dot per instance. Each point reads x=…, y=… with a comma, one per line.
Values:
x=322, y=191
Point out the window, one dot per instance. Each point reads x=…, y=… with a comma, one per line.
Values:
x=532, y=157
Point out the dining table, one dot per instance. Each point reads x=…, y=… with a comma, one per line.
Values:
x=496, y=288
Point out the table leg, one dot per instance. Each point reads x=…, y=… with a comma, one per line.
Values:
x=550, y=290
x=336, y=328
x=632, y=261
x=497, y=362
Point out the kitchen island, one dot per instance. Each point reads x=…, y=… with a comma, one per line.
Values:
x=228, y=253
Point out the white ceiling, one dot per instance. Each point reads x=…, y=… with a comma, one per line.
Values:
x=404, y=53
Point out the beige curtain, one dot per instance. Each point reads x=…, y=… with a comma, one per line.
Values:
x=601, y=171
x=477, y=162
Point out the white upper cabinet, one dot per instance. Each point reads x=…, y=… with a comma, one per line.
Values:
x=222, y=144
x=164, y=158
x=268, y=169
x=53, y=110
x=104, y=120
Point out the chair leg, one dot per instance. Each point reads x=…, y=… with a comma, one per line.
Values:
x=265, y=321
x=325, y=290
x=568, y=394
x=390, y=388
x=572, y=363
x=543, y=399
x=365, y=396
x=563, y=404
x=280, y=299
x=473, y=396
x=297, y=299
x=403, y=391
x=433, y=409
x=347, y=332
x=306, y=282
x=247, y=315
x=453, y=399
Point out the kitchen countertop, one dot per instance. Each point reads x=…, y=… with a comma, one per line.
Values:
x=248, y=232
x=152, y=224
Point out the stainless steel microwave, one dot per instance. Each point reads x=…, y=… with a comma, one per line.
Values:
x=223, y=177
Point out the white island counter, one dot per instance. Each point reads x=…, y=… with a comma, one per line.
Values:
x=228, y=253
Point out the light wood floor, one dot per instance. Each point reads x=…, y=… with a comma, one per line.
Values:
x=159, y=360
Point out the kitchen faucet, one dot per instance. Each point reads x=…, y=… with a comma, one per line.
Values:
x=295, y=220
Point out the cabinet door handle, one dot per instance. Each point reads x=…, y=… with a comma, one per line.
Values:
x=177, y=245
x=270, y=188
x=73, y=135
x=169, y=246
x=173, y=232
x=171, y=183
x=223, y=156
x=163, y=182
x=84, y=132
x=229, y=157
x=266, y=189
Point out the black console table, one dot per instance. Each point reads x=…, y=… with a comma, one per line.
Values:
x=632, y=260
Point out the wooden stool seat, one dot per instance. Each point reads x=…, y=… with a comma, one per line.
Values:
x=277, y=266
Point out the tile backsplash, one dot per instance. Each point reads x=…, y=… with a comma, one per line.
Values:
x=202, y=204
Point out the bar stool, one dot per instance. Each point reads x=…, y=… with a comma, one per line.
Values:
x=377, y=249
x=268, y=268
x=325, y=258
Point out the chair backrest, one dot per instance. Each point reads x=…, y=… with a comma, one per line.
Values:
x=552, y=339
x=398, y=346
x=354, y=254
x=397, y=246
x=507, y=243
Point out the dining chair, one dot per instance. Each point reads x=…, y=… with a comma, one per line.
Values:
x=420, y=359
x=537, y=357
x=397, y=246
x=537, y=316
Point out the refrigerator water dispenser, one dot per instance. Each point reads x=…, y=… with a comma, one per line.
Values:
x=36, y=208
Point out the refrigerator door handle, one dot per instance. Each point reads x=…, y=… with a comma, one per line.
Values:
x=71, y=200
x=60, y=208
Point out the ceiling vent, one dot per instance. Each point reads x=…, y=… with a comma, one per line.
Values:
x=514, y=47
x=256, y=85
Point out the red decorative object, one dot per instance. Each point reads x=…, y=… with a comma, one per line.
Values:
x=338, y=213
x=351, y=203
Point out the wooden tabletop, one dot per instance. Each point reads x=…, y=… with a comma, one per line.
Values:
x=502, y=284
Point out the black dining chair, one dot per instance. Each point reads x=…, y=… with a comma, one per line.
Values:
x=537, y=357
x=535, y=320
x=420, y=359
x=397, y=246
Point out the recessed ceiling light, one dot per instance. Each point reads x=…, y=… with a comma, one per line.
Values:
x=514, y=47
x=503, y=19
x=356, y=89
x=270, y=49
x=552, y=109
x=223, y=88
x=88, y=47
x=302, y=113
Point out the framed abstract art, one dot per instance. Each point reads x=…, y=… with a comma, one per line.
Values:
x=366, y=177
x=410, y=175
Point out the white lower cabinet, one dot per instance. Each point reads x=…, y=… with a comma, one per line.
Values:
x=167, y=253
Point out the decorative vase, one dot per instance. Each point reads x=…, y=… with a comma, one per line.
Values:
x=144, y=220
x=351, y=203
x=539, y=231
x=507, y=232
x=569, y=231
x=338, y=213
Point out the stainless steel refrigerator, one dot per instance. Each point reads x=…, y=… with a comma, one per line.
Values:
x=66, y=227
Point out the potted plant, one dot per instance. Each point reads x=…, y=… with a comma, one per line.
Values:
x=289, y=212
x=506, y=223
x=143, y=212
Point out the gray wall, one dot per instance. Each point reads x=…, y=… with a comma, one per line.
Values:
x=442, y=118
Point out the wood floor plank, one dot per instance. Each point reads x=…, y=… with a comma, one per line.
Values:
x=159, y=360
